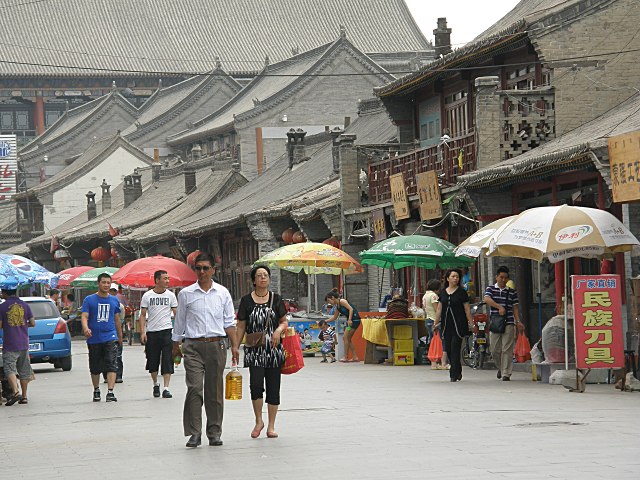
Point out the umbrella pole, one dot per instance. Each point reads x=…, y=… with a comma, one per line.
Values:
x=566, y=329
x=315, y=286
x=539, y=299
x=415, y=281
x=308, y=292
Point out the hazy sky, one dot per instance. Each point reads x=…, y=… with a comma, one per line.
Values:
x=466, y=18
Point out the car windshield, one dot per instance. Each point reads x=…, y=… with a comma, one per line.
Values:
x=42, y=310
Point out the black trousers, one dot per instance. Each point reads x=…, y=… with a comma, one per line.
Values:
x=453, y=345
x=259, y=377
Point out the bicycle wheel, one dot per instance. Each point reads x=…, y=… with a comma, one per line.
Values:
x=466, y=354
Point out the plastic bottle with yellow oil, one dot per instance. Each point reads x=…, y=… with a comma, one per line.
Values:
x=233, y=387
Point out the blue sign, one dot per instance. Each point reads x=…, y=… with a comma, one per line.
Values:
x=5, y=149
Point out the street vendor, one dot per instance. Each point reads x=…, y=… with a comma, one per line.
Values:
x=353, y=322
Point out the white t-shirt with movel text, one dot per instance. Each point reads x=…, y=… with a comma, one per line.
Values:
x=159, y=307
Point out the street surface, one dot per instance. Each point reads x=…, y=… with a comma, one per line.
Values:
x=344, y=421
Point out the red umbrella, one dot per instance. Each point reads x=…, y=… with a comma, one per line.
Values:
x=139, y=273
x=70, y=274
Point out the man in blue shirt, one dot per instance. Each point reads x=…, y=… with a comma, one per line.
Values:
x=101, y=326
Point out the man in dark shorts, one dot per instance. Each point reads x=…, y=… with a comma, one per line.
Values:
x=15, y=320
x=101, y=326
x=156, y=308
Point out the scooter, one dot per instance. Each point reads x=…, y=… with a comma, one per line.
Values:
x=476, y=349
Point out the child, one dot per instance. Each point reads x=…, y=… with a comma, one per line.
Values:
x=429, y=303
x=328, y=337
x=307, y=339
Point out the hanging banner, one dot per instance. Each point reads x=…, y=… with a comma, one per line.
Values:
x=597, y=304
x=379, y=225
x=624, y=159
x=429, y=194
x=8, y=166
x=399, y=197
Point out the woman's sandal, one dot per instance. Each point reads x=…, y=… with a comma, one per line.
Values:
x=272, y=434
x=23, y=401
x=344, y=360
x=255, y=433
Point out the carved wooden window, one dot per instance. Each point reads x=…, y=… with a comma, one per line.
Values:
x=528, y=77
x=456, y=113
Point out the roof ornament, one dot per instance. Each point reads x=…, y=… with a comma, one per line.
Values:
x=159, y=83
x=266, y=61
x=295, y=51
x=256, y=102
x=343, y=31
x=113, y=86
x=218, y=62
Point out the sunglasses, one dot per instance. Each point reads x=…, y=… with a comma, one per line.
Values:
x=202, y=268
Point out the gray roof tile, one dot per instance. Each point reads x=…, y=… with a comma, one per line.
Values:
x=165, y=36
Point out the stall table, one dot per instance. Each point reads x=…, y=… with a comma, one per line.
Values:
x=378, y=331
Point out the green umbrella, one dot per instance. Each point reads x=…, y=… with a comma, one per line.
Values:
x=89, y=279
x=414, y=251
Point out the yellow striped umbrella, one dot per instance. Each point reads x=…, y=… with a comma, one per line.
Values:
x=312, y=258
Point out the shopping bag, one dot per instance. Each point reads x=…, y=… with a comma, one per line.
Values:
x=435, y=348
x=293, y=360
x=523, y=348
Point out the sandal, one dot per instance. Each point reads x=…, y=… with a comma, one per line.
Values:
x=272, y=434
x=354, y=360
x=23, y=401
x=255, y=433
x=344, y=360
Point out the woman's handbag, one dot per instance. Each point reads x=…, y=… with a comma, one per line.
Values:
x=497, y=322
x=293, y=360
x=435, y=348
x=258, y=339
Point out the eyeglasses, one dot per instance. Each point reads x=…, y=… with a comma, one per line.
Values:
x=204, y=268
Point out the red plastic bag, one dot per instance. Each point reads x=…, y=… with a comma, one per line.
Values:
x=523, y=348
x=435, y=348
x=293, y=361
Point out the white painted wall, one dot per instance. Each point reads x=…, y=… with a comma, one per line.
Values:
x=71, y=200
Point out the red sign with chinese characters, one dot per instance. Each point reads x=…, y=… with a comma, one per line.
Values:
x=597, y=304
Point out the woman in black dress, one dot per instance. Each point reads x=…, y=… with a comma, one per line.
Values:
x=454, y=313
x=263, y=311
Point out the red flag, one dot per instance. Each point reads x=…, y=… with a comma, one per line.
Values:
x=112, y=231
x=54, y=244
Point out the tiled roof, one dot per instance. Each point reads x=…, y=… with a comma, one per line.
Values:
x=577, y=143
x=280, y=188
x=8, y=222
x=272, y=84
x=156, y=37
x=508, y=32
x=98, y=151
x=73, y=122
x=169, y=100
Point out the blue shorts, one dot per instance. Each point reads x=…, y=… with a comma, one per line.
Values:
x=327, y=347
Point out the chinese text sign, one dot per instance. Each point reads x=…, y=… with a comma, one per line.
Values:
x=597, y=305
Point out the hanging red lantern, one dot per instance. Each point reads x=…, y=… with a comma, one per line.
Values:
x=333, y=241
x=191, y=258
x=287, y=235
x=100, y=254
x=298, y=237
x=114, y=252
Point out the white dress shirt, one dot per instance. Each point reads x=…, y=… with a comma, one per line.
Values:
x=203, y=314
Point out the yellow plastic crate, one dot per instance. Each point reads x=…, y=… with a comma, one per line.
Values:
x=403, y=346
x=402, y=332
x=403, y=359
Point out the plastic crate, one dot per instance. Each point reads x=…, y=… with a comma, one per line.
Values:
x=402, y=332
x=401, y=346
x=403, y=358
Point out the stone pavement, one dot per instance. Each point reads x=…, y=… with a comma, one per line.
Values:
x=346, y=421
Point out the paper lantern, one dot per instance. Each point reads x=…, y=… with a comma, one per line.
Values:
x=298, y=237
x=100, y=254
x=333, y=241
x=287, y=235
x=191, y=258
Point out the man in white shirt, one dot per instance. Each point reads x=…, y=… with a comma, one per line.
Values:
x=156, y=308
x=205, y=315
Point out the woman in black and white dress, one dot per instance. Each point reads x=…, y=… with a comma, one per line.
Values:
x=263, y=311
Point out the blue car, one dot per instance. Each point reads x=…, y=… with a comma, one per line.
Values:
x=49, y=340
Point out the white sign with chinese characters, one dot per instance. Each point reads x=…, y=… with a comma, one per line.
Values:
x=8, y=167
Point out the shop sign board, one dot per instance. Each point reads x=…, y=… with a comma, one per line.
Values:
x=597, y=304
x=429, y=194
x=624, y=159
x=8, y=166
x=379, y=225
x=399, y=197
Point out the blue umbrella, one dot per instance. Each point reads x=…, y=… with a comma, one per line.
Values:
x=16, y=271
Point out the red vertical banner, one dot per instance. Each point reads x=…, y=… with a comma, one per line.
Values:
x=597, y=302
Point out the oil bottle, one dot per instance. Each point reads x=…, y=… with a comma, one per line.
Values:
x=233, y=387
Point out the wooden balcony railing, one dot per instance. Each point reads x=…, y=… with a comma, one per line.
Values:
x=445, y=159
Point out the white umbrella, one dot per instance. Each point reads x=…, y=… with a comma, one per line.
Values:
x=480, y=241
x=559, y=233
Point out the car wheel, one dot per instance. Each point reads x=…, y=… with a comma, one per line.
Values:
x=65, y=363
